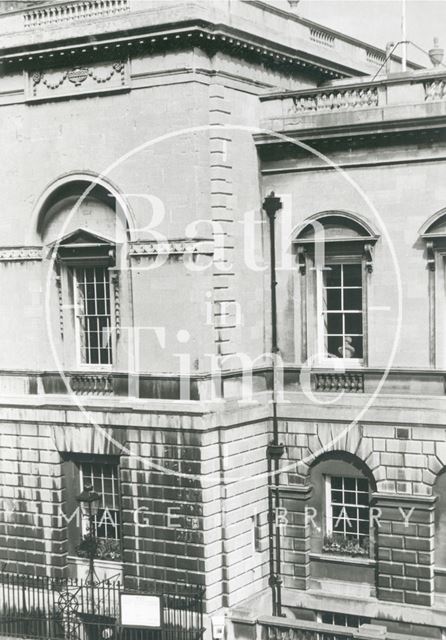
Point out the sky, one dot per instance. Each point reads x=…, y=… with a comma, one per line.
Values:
x=379, y=21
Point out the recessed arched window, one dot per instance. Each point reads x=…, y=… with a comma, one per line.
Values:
x=82, y=227
x=335, y=252
x=341, y=506
x=433, y=233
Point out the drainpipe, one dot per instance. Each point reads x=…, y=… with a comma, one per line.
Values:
x=271, y=206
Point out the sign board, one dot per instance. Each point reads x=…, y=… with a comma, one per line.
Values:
x=140, y=611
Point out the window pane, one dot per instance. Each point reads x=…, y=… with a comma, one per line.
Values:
x=336, y=482
x=334, y=346
x=332, y=276
x=334, y=299
x=334, y=323
x=352, y=275
x=364, y=527
x=103, y=477
x=357, y=345
x=353, y=323
x=353, y=299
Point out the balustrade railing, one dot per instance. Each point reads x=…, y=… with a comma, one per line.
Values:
x=92, y=384
x=349, y=382
x=54, y=14
x=336, y=100
x=322, y=37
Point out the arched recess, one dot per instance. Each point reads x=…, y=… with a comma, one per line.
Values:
x=84, y=224
x=81, y=190
x=337, y=245
x=433, y=234
x=342, y=486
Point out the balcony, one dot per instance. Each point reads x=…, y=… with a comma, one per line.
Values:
x=384, y=102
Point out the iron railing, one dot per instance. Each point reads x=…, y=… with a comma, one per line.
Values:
x=69, y=609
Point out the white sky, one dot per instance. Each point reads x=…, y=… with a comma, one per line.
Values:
x=379, y=21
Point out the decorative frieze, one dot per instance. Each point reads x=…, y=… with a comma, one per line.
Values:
x=55, y=83
x=336, y=100
x=20, y=254
x=171, y=247
x=55, y=14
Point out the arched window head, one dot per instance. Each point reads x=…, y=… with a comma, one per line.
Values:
x=83, y=204
x=332, y=232
x=433, y=232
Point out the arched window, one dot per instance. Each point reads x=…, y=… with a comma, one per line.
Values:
x=335, y=252
x=341, y=505
x=81, y=226
x=433, y=233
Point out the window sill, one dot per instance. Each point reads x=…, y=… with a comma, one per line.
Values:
x=339, y=365
x=342, y=559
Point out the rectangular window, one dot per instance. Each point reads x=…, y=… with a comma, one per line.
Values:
x=93, y=314
x=341, y=310
x=347, y=503
x=104, y=478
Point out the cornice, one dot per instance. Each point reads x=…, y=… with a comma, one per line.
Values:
x=374, y=128
x=205, y=35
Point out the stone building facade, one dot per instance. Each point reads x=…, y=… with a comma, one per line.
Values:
x=138, y=143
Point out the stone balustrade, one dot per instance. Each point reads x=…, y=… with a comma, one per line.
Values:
x=381, y=98
x=54, y=14
x=322, y=37
x=349, y=382
x=334, y=100
x=100, y=384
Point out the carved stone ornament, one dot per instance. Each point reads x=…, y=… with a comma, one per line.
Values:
x=79, y=79
x=20, y=254
x=171, y=247
x=78, y=75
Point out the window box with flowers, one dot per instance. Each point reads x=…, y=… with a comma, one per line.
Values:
x=341, y=545
x=101, y=548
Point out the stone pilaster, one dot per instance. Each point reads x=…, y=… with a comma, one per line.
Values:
x=405, y=548
x=295, y=537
